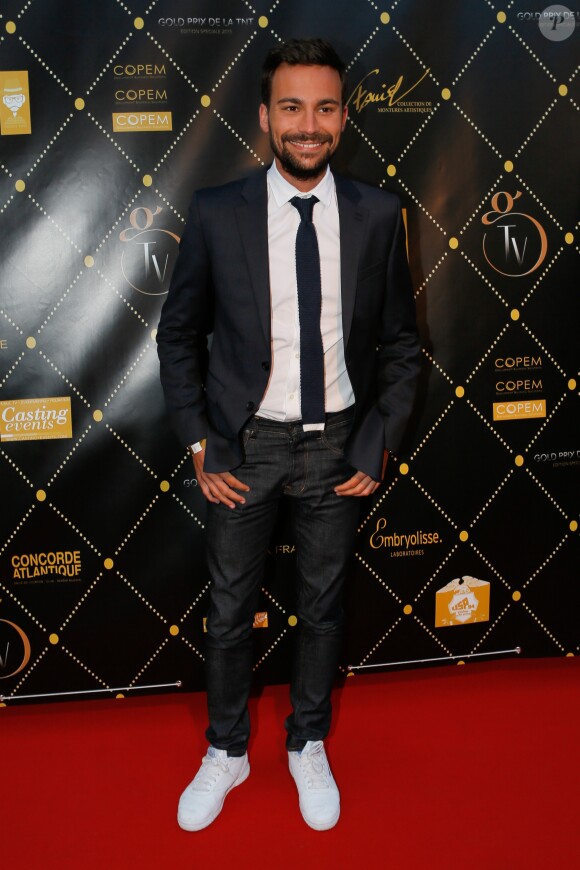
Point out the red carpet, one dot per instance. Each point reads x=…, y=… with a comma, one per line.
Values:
x=474, y=768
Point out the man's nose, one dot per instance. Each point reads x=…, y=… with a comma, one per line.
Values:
x=310, y=121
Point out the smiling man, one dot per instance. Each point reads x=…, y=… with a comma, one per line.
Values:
x=302, y=278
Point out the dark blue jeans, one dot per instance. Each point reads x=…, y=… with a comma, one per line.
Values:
x=280, y=461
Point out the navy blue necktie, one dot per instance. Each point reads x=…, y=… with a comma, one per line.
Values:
x=309, y=310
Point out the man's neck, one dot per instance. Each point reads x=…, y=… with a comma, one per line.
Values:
x=302, y=184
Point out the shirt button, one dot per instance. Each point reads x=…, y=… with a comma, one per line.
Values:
x=291, y=396
x=249, y=406
x=296, y=356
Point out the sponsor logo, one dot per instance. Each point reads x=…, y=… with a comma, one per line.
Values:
x=283, y=549
x=207, y=25
x=3, y=344
x=559, y=458
x=58, y=565
x=556, y=22
x=35, y=419
x=402, y=544
x=14, y=649
x=15, y=103
x=388, y=96
x=147, y=260
x=139, y=71
x=462, y=601
x=519, y=410
x=260, y=620
x=517, y=244
x=142, y=122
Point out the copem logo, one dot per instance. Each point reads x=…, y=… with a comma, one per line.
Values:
x=148, y=253
x=516, y=245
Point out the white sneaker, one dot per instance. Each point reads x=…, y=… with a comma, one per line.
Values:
x=319, y=796
x=202, y=800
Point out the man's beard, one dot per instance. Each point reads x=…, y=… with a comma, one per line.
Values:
x=292, y=165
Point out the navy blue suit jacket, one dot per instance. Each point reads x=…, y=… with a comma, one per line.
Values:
x=220, y=288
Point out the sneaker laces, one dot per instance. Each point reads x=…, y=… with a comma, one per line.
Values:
x=315, y=768
x=212, y=769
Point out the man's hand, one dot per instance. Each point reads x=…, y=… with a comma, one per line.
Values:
x=360, y=484
x=218, y=487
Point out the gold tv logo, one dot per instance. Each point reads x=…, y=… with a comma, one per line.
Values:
x=142, y=122
x=15, y=103
x=516, y=245
x=15, y=649
x=35, y=419
x=462, y=601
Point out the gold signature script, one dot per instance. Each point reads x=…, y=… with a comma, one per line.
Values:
x=361, y=96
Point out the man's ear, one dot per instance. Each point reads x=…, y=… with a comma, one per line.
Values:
x=344, y=117
x=264, y=122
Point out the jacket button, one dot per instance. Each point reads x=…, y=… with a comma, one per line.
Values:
x=249, y=406
x=266, y=366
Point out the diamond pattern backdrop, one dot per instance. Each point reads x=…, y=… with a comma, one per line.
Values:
x=111, y=115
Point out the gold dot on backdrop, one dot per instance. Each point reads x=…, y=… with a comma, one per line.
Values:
x=463, y=536
x=97, y=416
x=20, y=185
x=508, y=166
x=515, y=314
x=174, y=630
x=516, y=596
x=569, y=655
x=53, y=639
x=262, y=21
x=572, y=384
x=403, y=468
x=391, y=169
x=453, y=243
x=10, y=27
x=501, y=17
x=459, y=392
x=446, y=94
x=154, y=334
x=385, y=17
x=30, y=343
x=164, y=486
x=120, y=696
x=569, y=238
x=108, y=563
x=460, y=662
x=573, y=526
x=79, y=103
x=292, y=620
x=147, y=181
x=40, y=495
x=89, y=261
x=519, y=461
x=139, y=24
x=205, y=101
x=408, y=609
x=563, y=90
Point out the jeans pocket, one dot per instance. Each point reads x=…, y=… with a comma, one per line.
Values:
x=334, y=436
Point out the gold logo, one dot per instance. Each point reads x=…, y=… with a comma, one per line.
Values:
x=525, y=410
x=142, y=122
x=145, y=259
x=35, y=419
x=15, y=105
x=462, y=601
x=390, y=98
x=14, y=649
x=518, y=244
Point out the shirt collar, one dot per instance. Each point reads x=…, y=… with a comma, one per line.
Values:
x=283, y=191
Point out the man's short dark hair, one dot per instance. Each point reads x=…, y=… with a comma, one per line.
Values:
x=304, y=52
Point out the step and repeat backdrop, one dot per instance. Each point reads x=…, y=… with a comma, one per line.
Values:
x=111, y=114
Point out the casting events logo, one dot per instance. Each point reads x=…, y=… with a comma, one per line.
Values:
x=462, y=601
x=15, y=104
x=14, y=649
x=35, y=419
x=149, y=252
x=402, y=543
x=388, y=96
x=516, y=245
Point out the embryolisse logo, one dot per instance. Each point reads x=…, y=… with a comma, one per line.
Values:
x=14, y=649
x=516, y=245
x=147, y=259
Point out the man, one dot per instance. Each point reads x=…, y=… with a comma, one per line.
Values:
x=302, y=278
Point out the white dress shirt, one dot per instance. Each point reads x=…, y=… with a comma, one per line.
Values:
x=281, y=400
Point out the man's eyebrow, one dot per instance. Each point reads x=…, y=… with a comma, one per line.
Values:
x=298, y=101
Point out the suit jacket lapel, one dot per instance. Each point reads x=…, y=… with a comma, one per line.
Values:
x=353, y=220
x=252, y=219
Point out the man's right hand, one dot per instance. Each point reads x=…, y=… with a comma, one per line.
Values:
x=219, y=487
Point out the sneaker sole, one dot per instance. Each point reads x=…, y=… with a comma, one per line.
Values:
x=321, y=826
x=187, y=826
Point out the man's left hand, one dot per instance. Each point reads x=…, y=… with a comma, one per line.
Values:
x=361, y=484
